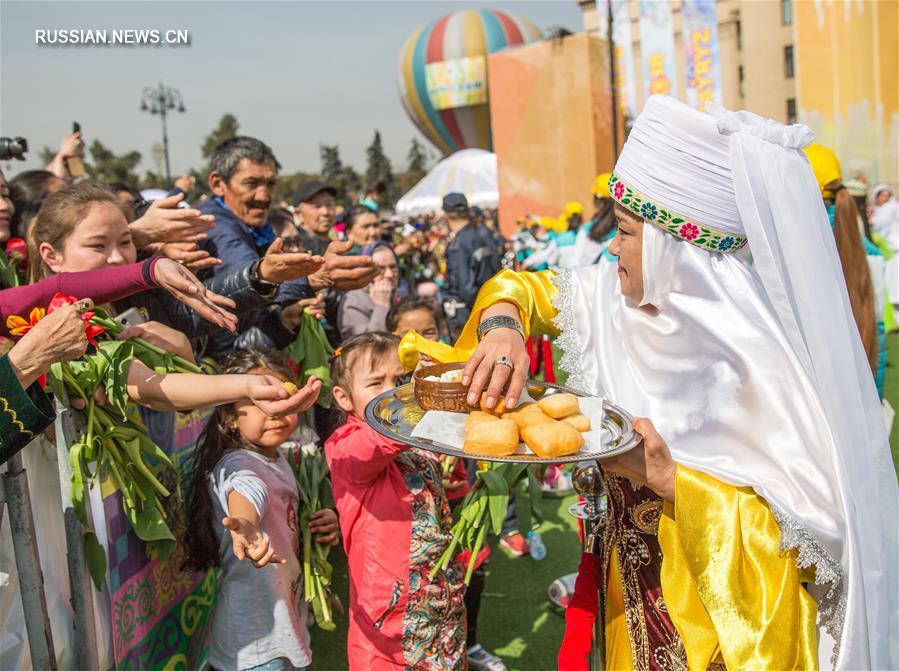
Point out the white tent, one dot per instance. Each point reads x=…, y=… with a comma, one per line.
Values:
x=470, y=171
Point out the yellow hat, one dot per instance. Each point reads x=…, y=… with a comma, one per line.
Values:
x=601, y=186
x=825, y=165
x=548, y=223
x=561, y=224
x=573, y=208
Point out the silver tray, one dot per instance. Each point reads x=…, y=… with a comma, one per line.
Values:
x=394, y=414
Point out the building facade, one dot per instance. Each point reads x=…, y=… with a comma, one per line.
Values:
x=831, y=65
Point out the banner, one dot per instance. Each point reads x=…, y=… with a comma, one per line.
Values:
x=460, y=82
x=624, y=54
x=657, y=48
x=160, y=614
x=700, y=32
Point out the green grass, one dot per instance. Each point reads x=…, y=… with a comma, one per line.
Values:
x=891, y=392
x=517, y=621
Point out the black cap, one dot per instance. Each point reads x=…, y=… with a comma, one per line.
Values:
x=454, y=201
x=309, y=190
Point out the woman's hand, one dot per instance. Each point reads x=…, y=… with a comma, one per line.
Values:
x=164, y=221
x=162, y=336
x=60, y=336
x=248, y=541
x=648, y=464
x=190, y=255
x=381, y=292
x=269, y=395
x=324, y=524
x=186, y=288
x=482, y=371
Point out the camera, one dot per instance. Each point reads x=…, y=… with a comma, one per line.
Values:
x=13, y=148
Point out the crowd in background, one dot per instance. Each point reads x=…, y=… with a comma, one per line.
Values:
x=228, y=275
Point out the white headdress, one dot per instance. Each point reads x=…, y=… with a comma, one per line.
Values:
x=754, y=373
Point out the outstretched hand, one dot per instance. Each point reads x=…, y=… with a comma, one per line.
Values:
x=248, y=542
x=269, y=395
x=345, y=273
x=186, y=288
x=278, y=266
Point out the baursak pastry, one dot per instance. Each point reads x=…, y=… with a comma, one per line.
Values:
x=525, y=418
x=499, y=409
x=579, y=422
x=494, y=439
x=552, y=440
x=477, y=416
x=558, y=406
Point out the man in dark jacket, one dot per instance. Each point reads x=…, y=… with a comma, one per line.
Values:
x=471, y=260
x=314, y=203
x=243, y=176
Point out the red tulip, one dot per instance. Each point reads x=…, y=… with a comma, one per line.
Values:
x=17, y=251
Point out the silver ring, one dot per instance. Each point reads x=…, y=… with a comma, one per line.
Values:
x=504, y=361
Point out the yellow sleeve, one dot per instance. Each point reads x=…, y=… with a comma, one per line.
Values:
x=729, y=588
x=533, y=294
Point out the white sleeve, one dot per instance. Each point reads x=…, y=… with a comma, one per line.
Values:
x=244, y=481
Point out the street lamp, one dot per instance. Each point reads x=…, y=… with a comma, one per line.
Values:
x=160, y=101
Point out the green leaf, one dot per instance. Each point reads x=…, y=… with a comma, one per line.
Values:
x=499, y=508
x=523, y=506
x=96, y=559
x=148, y=522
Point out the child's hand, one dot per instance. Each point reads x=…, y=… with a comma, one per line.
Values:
x=248, y=541
x=323, y=523
x=269, y=395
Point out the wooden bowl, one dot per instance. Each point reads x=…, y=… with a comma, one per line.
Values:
x=449, y=396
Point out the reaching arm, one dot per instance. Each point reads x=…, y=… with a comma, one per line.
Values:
x=187, y=391
x=523, y=295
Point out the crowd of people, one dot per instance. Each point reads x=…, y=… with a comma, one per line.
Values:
x=227, y=276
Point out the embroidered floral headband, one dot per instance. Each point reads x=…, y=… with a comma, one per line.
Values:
x=693, y=232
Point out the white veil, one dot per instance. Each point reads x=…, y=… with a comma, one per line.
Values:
x=753, y=373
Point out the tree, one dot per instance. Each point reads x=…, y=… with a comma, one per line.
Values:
x=226, y=129
x=379, y=169
x=288, y=184
x=342, y=177
x=417, y=160
x=105, y=166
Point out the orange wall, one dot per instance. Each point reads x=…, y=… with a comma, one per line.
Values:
x=550, y=115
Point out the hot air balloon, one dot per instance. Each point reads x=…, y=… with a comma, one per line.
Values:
x=443, y=74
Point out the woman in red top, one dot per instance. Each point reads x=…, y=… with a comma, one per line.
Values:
x=396, y=523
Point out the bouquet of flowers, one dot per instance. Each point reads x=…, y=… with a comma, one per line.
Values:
x=484, y=509
x=314, y=485
x=115, y=443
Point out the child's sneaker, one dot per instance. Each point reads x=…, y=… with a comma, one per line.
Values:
x=514, y=543
x=481, y=660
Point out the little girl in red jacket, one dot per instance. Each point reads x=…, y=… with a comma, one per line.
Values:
x=396, y=523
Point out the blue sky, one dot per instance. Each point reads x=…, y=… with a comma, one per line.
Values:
x=296, y=74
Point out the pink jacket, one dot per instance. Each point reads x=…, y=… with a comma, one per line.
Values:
x=375, y=493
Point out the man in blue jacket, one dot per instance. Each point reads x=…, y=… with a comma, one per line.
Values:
x=243, y=176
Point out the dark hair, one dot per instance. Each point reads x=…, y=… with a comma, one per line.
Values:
x=356, y=211
x=227, y=155
x=410, y=304
x=60, y=215
x=603, y=220
x=376, y=344
x=378, y=187
x=27, y=191
x=280, y=218
x=201, y=539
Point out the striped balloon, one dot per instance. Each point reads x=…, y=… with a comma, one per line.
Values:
x=464, y=34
